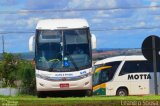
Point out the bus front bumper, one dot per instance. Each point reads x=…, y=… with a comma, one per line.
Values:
x=82, y=84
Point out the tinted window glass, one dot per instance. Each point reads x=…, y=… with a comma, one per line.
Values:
x=63, y=50
x=105, y=74
x=113, y=69
x=137, y=67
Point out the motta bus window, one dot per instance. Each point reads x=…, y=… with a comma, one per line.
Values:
x=137, y=67
x=113, y=69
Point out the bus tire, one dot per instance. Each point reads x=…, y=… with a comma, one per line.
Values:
x=122, y=92
x=41, y=94
x=88, y=93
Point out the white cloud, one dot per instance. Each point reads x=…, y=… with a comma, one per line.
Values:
x=71, y=14
x=102, y=14
x=23, y=12
x=92, y=4
x=32, y=21
x=154, y=4
x=20, y=23
x=87, y=3
x=74, y=3
x=111, y=3
x=157, y=18
x=1, y=30
x=95, y=21
x=27, y=23
x=141, y=24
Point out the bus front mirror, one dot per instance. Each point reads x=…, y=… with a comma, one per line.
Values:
x=32, y=43
x=93, y=41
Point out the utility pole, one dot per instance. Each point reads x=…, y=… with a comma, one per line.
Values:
x=155, y=64
x=150, y=50
x=3, y=44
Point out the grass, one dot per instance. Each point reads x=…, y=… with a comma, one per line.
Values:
x=26, y=100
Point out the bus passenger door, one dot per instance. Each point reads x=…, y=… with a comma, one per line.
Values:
x=100, y=87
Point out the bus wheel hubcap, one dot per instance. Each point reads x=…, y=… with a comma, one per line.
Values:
x=122, y=93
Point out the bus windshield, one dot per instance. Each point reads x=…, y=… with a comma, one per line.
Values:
x=63, y=50
x=101, y=76
x=105, y=72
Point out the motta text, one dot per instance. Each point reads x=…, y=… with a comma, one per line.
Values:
x=139, y=76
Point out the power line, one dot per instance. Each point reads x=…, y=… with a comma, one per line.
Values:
x=16, y=32
x=98, y=30
x=71, y=10
x=129, y=28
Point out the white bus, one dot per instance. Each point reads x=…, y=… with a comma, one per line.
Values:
x=63, y=56
x=124, y=75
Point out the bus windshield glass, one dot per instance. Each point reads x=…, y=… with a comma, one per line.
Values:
x=101, y=77
x=63, y=50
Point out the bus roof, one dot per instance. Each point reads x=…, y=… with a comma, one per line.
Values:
x=53, y=24
x=120, y=58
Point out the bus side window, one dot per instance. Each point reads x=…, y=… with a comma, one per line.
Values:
x=113, y=69
x=129, y=67
x=136, y=67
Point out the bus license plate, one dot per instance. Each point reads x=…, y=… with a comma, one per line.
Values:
x=64, y=85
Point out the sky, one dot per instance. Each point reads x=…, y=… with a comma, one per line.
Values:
x=114, y=28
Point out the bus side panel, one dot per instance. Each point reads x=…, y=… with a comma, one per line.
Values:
x=142, y=83
x=138, y=76
x=119, y=81
x=137, y=83
x=99, y=89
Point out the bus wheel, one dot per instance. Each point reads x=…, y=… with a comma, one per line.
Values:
x=88, y=93
x=122, y=92
x=41, y=94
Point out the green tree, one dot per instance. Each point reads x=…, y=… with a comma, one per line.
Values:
x=13, y=69
x=8, y=69
x=1, y=68
x=27, y=76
